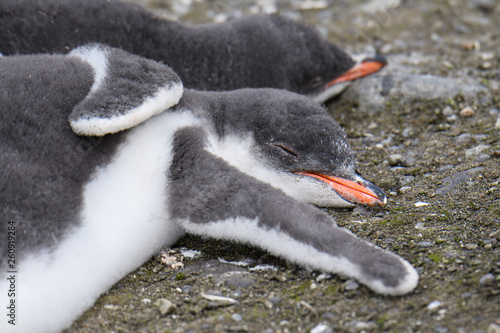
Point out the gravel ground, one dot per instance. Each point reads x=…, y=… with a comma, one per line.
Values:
x=426, y=129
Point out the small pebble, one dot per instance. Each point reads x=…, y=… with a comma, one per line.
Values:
x=394, y=159
x=487, y=280
x=220, y=299
x=434, y=305
x=472, y=45
x=405, y=189
x=361, y=211
x=486, y=65
x=448, y=111
x=440, y=329
x=146, y=301
x=323, y=276
x=421, y=204
x=497, y=124
x=329, y=315
x=111, y=307
x=165, y=306
x=467, y=112
x=321, y=328
x=268, y=330
x=237, y=317
x=274, y=300
x=487, y=56
x=477, y=150
x=363, y=325
x=466, y=295
x=351, y=285
x=471, y=246
x=425, y=244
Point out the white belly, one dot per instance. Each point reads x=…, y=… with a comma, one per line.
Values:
x=124, y=221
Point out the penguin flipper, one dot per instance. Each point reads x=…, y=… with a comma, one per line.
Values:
x=210, y=197
x=127, y=90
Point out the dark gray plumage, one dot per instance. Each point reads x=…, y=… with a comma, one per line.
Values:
x=254, y=52
x=239, y=165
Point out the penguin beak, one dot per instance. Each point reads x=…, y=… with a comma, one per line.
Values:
x=366, y=67
x=359, y=191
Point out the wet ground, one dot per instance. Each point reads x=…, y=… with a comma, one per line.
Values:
x=426, y=129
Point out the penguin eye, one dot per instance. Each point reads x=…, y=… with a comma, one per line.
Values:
x=315, y=82
x=287, y=150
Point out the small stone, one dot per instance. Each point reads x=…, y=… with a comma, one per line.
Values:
x=487, y=280
x=470, y=246
x=486, y=65
x=386, y=48
x=214, y=297
x=351, y=285
x=448, y=111
x=362, y=325
x=146, y=301
x=488, y=246
x=447, y=64
x=237, y=317
x=467, y=112
x=472, y=45
x=394, y=159
x=425, y=244
x=487, y=56
x=477, y=150
x=497, y=124
x=186, y=288
x=360, y=211
x=323, y=276
x=321, y=328
x=405, y=189
x=165, y=306
x=440, y=329
x=329, y=315
x=466, y=295
x=421, y=204
x=434, y=305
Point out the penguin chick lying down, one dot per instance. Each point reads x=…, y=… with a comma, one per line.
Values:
x=150, y=162
x=257, y=51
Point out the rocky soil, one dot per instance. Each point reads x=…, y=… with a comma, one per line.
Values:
x=426, y=129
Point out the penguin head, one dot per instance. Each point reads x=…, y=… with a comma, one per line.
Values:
x=294, y=144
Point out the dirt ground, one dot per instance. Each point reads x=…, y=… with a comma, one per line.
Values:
x=437, y=159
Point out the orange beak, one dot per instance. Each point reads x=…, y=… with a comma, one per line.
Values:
x=366, y=67
x=360, y=192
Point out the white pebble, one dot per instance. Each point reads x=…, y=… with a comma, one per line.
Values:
x=434, y=305
x=321, y=328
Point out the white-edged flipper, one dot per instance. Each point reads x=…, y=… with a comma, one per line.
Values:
x=127, y=90
x=210, y=197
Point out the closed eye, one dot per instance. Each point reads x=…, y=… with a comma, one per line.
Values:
x=287, y=150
